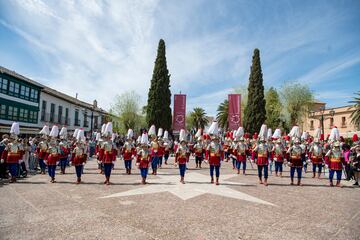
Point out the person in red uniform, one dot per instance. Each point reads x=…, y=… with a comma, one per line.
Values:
x=143, y=159
x=128, y=151
x=214, y=152
x=78, y=156
x=12, y=153
x=107, y=153
x=166, y=146
x=42, y=148
x=181, y=155
x=335, y=162
x=53, y=153
x=64, y=149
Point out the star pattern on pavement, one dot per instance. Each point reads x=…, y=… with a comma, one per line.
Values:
x=196, y=184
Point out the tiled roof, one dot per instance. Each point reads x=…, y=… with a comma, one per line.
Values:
x=19, y=76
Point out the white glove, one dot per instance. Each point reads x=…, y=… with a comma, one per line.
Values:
x=252, y=161
x=326, y=166
x=308, y=161
x=2, y=160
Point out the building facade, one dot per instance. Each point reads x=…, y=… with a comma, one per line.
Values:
x=33, y=105
x=339, y=117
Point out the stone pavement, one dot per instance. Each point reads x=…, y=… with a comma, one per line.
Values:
x=239, y=208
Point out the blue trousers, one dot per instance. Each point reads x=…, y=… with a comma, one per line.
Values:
x=107, y=169
x=154, y=163
x=217, y=171
x=13, y=168
x=63, y=163
x=78, y=170
x=144, y=172
x=278, y=167
x=42, y=164
x=260, y=170
x=198, y=159
x=338, y=174
x=238, y=165
x=160, y=161
x=319, y=167
x=234, y=162
x=292, y=172
x=182, y=168
x=128, y=164
x=51, y=170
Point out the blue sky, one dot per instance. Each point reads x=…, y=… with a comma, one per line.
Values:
x=102, y=48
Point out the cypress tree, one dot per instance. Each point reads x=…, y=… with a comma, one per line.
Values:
x=255, y=113
x=158, y=111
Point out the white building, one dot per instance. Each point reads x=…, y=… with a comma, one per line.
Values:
x=33, y=105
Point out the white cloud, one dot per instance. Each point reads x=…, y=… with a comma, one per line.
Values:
x=102, y=48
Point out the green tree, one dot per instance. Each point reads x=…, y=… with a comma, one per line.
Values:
x=198, y=118
x=127, y=112
x=158, y=111
x=273, y=108
x=222, y=115
x=355, y=115
x=298, y=100
x=255, y=112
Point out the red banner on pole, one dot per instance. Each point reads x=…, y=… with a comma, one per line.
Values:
x=179, y=112
x=234, y=116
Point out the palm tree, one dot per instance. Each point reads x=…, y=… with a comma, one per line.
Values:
x=355, y=115
x=198, y=118
x=222, y=115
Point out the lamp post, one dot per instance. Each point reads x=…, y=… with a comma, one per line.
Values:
x=321, y=116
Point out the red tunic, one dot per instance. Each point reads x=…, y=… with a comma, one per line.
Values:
x=143, y=163
x=241, y=157
x=336, y=163
x=316, y=160
x=296, y=162
x=127, y=154
x=262, y=160
x=279, y=157
x=182, y=160
x=161, y=151
x=65, y=152
x=78, y=160
x=52, y=158
x=11, y=157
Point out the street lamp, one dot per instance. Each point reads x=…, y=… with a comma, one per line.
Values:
x=322, y=112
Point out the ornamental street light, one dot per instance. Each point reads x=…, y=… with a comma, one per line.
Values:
x=321, y=116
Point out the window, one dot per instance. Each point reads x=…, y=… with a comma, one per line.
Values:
x=331, y=122
x=13, y=113
x=33, y=116
x=14, y=89
x=34, y=95
x=43, y=110
x=77, y=122
x=95, y=122
x=67, y=116
x=343, y=121
x=2, y=111
x=60, y=114
x=23, y=115
x=311, y=124
x=24, y=92
x=52, y=112
x=3, y=85
x=86, y=123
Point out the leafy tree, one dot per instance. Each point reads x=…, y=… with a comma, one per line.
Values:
x=126, y=110
x=255, y=112
x=297, y=99
x=158, y=111
x=222, y=115
x=355, y=116
x=198, y=118
x=273, y=108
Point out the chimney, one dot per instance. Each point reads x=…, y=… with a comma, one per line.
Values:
x=76, y=95
x=95, y=104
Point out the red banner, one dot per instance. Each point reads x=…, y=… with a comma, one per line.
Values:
x=179, y=112
x=234, y=116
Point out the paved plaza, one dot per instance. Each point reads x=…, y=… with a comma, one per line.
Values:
x=239, y=208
